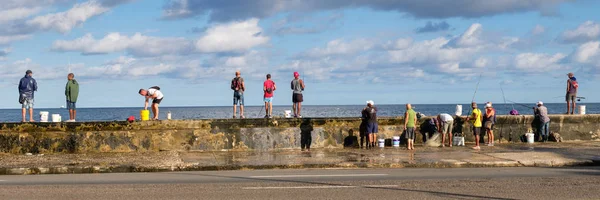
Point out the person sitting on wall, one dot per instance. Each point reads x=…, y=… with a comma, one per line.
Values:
x=351, y=141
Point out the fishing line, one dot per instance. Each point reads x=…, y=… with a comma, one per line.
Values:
x=520, y=104
x=476, y=88
x=504, y=97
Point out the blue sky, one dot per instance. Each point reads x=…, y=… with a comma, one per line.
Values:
x=348, y=51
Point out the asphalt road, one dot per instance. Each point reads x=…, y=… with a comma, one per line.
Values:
x=459, y=183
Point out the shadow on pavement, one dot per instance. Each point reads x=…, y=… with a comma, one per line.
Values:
x=436, y=193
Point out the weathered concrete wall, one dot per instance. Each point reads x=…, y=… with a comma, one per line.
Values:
x=238, y=134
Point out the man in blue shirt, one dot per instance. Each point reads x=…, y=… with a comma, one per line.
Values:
x=27, y=86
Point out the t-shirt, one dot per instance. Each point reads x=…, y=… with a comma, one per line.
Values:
x=371, y=114
x=269, y=84
x=159, y=94
x=412, y=116
x=542, y=113
x=445, y=117
x=240, y=81
x=476, y=118
x=572, y=88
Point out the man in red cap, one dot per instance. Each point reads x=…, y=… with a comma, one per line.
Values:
x=297, y=98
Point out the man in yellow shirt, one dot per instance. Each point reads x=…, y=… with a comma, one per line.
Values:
x=476, y=118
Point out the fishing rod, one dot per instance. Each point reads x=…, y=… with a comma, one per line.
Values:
x=476, y=88
x=520, y=104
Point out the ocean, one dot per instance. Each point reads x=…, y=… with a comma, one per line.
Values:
x=118, y=114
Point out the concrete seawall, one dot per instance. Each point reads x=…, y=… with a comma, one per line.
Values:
x=232, y=134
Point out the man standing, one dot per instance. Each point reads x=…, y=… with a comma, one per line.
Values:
x=372, y=125
x=238, y=87
x=572, y=87
x=541, y=113
x=156, y=95
x=269, y=88
x=489, y=120
x=72, y=92
x=27, y=87
x=297, y=98
x=444, y=124
x=476, y=118
x=410, y=122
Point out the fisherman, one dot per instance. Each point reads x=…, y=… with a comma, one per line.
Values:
x=541, y=113
x=71, y=93
x=362, y=129
x=475, y=119
x=372, y=125
x=156, y=95
x=238, y=87
x=27, y=87
x=489, y=121
x=571, y=96
x=444, y=125
x=410, y=122
x=297, y=98
x=269, y=88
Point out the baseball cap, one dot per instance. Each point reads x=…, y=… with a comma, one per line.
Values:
x=296, y=74
x=28, y=72
x=488, y=105
x=540, y=103
x=371, y=102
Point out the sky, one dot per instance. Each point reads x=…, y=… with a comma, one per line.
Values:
x=347, y=51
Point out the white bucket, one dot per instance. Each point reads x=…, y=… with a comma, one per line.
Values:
x=458, y=111
x=56, y=118
x=396, y=141
x=381, y=143
x=582, y=109
x=44, y=116
x=169, y=115
x=287, y=113
x=530, y=137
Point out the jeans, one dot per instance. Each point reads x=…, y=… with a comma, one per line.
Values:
x=545, y=129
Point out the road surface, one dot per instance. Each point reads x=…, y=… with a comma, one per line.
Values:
x=459, y=183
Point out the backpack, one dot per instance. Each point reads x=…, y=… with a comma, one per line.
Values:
x=270, y=89
x=155, y=87
x=236, y=83
x=514, y=112
x=574, y=84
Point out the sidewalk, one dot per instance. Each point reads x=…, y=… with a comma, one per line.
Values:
x=502, y=155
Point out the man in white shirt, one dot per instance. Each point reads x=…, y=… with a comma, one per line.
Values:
x=156, y=95
x=444, y=124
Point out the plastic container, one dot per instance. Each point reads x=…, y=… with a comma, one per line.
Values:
x=287, y=113
x=169, y=115
x=44, y=116
x=582, y=109
x=396, y=141
x=145, y=115
x=56, y=118
x=458, y=111
x=530, y=137
x=381, y=143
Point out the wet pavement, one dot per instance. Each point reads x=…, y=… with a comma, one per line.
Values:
x=502, y=155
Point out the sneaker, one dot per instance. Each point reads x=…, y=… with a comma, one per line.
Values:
x=270, y=116
x=234, y=117
x=242, y=117
x=299, y=116
x=266, y=116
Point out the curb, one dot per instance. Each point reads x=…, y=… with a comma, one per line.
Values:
x=134, y=169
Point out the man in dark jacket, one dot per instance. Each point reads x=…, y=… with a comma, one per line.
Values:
x=27, y=86
x=72, y=92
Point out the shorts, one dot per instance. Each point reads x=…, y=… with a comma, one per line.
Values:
x=71, y=105
x=28, y=103
x=476, y=130
x=410, y=133
x=157, y=101
x=571, y=97
x=238, y=97
x=297, y=98
x=489, y=125
x=447, y=127
x=372, y=128
x=268, y=99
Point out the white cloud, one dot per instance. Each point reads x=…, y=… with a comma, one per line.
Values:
x=399, y=44
x=18, y=13
x=585, y=32
x=538, y=29
x=138, y=45
x=341, y=47
x=65, y=21
x=586, y=52
x=232, y=37
x=470, y=38
x=538, y=62
x=4, y=40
